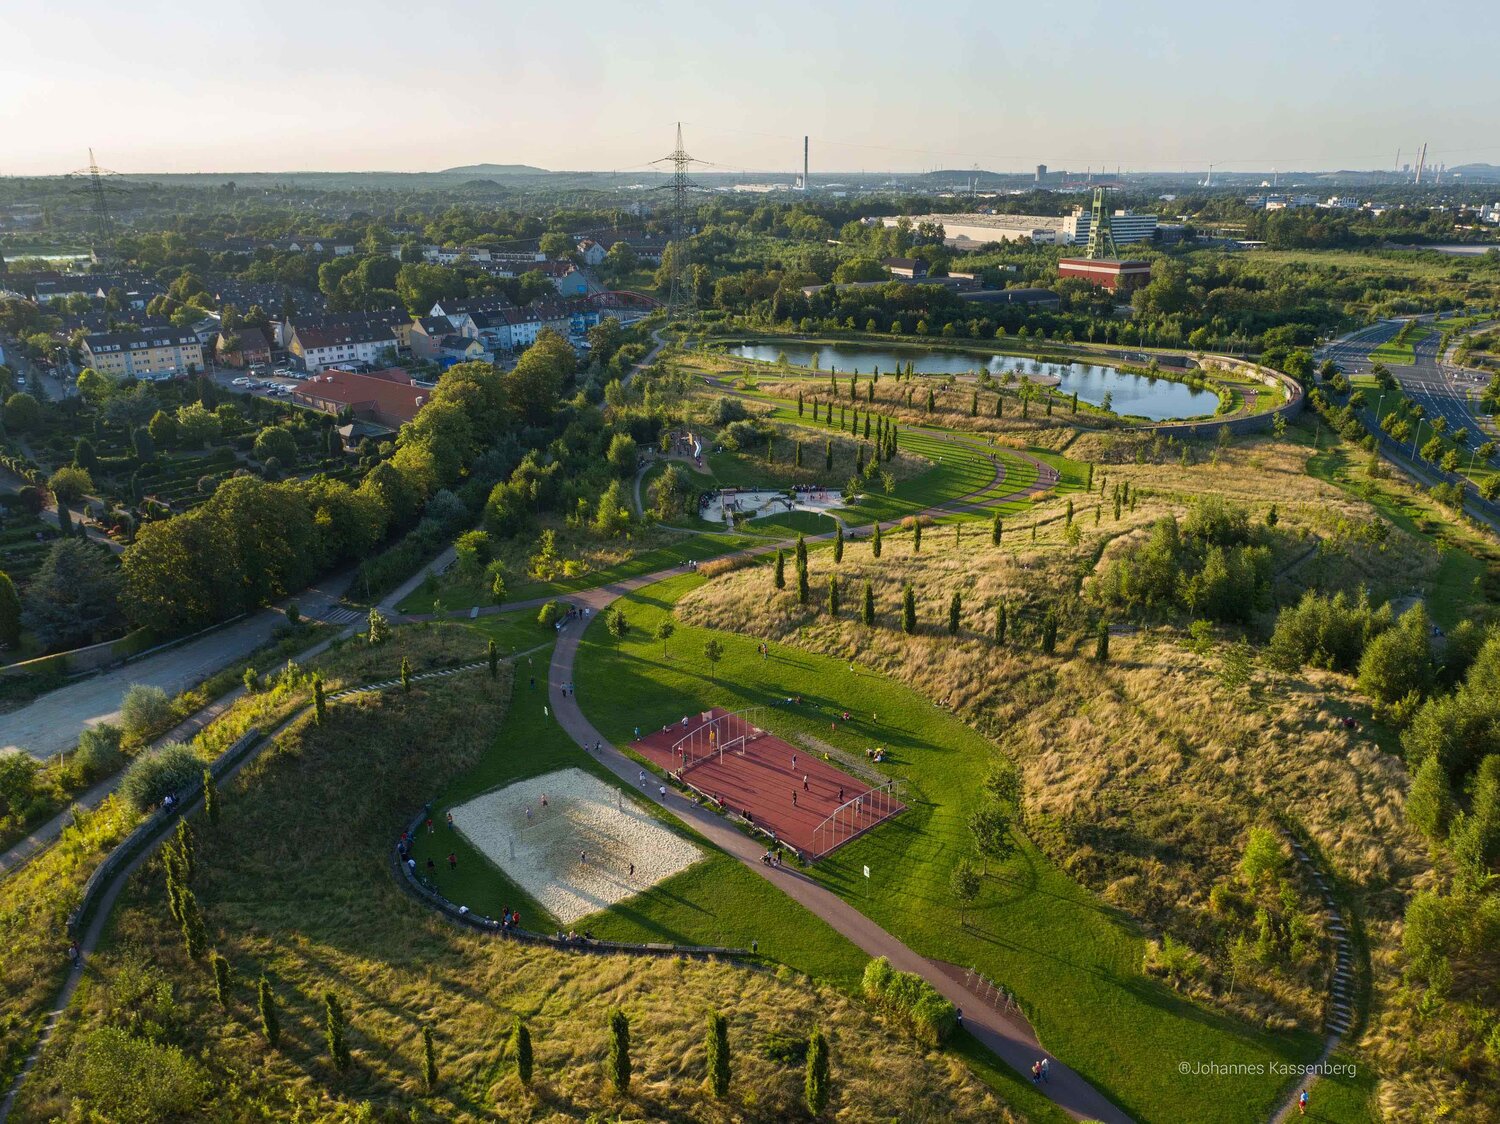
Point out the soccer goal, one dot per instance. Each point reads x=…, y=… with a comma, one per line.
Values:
x=855, y=816
x=717, y=733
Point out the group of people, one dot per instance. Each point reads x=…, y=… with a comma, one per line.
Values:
x=509, y=918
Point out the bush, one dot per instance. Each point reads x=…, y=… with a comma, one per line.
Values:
x=146, y=712
x=99, y=752
x=910, y=1000
x=167, y=770
x=548, y=614
x=132, y=1079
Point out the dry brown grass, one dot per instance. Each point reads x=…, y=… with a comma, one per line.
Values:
x=1144, y=775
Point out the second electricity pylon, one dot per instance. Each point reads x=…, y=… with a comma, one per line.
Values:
x=1101, y=235
x=95, y=189
x=680, y=299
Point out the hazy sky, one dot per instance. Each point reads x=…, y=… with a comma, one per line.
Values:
x=276, y=85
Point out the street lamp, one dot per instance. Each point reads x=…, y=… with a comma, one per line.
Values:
x=1415, y=437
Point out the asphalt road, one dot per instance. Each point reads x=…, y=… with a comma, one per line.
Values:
x=51, y=724
x=1441, y=389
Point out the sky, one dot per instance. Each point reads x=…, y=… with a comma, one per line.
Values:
x=338, y=85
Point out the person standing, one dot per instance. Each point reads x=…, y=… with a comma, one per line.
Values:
x=794, y=798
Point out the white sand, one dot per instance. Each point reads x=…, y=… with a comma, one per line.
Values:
x=757, y=504
x=584, y=814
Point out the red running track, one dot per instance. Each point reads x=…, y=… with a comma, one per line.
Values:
x=759, y=783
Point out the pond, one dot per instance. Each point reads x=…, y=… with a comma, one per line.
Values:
x=1139, y=395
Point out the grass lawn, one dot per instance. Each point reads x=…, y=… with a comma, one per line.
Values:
x=1075, y=963
x=459, y=595
x=790, y=524
x=1400, y=354
x=1344, y=1099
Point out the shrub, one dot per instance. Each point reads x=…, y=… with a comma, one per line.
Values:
x=169, y=769
x=99, y=751
x=547, y=615
x=911, y=1001
x=146, y=712
x=121, y=1077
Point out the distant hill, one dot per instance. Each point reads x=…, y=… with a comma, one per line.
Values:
x=1486, y=172
x=494, y=170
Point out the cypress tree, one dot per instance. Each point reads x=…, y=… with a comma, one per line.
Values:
x=187, y=851
x=916, y=535
x=1000, y=623
x=801, y=553
x=908, y=610
x=830, y=411
x=1089, y=486
x=853, y=386
x=405, y=674
x=1101, y=643
x=838, y=542
x=194, y=932
x=973, y=403
x=799, y=403
x=833, y=595
x=717, y=1045
x=854, y=421
x=797, y=454
x=931, y=400
x=270, y=1025
x=1049, y=633
x=996, y=528
x=220, y=968
x=870, y=390
x=493, y=653
x=771, y=449
x=338, y=1048
x=843, y=415
x=802, y=590
x=619, y=1049
x=429, y=1059
x=815, y=1086
x=867, y=607
x=875, y=541
x=955, y=613
x=1068, y=521
x=780, y=579
x=859, y=462
x=867, y=425
x=320, y=700
x=999, y=405
x=520, y=1046
x=10, y=611
x=1073, y=406
x=828, y=455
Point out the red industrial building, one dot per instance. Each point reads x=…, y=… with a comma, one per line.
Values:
x=1107, y=273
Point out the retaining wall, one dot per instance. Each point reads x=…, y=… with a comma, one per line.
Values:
x=1251, y=423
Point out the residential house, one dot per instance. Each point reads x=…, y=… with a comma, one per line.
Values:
x=590, y=252
x=381, y=399
x=371, y=338
x=245, y=346
x=909, y=269
x=144, y=353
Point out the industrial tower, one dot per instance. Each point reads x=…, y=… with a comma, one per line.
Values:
x=680, y=300
x=1101, y=236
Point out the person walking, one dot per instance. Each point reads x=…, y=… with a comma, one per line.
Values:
x=841, y=794
x=583, y=858
x=1036, y=1073
x=450, y=820
x=632, y=870
x=794, y=798
x=1046, y=1071
x=452, y=860
x=794, y=762
x=1302, y=1103
x=804, y=784
x=641, y=779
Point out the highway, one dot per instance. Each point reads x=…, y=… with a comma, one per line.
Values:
x=1441, y=390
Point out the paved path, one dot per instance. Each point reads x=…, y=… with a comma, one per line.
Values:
x=52, y=723
x=1012, y=1042
x=18, y=853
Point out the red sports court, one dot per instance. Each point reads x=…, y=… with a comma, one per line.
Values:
x=729, y=757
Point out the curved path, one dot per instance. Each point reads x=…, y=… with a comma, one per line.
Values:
x=1011, y=1041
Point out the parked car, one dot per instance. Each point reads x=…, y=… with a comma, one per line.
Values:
x=241, y=381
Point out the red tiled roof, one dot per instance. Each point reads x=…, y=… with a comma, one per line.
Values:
x=364, y=392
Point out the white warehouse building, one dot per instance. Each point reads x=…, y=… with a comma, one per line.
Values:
x=1125, y=227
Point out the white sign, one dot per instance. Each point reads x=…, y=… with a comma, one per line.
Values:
x=867, y=872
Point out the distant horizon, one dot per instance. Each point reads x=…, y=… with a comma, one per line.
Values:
x=1167, y=86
